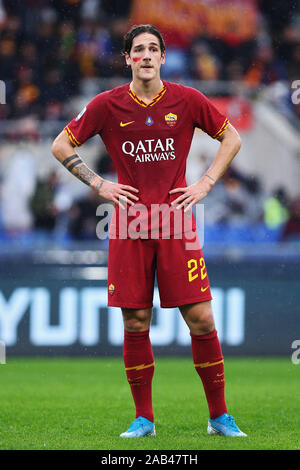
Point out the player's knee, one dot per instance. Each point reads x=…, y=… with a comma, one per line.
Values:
x=136, y=320
x=203, y=325
x=200, y=319
x=206, y=324
x=134, y=325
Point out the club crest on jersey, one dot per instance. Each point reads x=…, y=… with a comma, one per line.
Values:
x=80, y=114
x=149, y=121
x=171, y=119
x=111, y=289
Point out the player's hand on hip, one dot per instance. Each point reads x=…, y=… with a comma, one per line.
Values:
x=192, y=194
x=120, y=194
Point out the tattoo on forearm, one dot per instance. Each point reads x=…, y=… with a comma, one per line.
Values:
x=82, y=172
x=75, y=163
x=69, y=159
x=72, y=161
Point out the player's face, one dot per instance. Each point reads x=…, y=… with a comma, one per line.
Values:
x=145, y=57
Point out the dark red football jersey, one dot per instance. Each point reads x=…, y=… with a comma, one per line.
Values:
x=148, y=142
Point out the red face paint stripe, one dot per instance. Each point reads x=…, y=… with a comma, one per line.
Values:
x=136, y=59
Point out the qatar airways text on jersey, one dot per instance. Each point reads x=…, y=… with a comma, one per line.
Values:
x=150, y=150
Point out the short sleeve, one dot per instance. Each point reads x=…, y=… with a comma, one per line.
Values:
x=89, y=122
x=205, y=115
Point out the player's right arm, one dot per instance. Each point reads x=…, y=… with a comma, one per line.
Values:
x=64, y=152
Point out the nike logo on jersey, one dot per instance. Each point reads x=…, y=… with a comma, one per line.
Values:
x=203, y=290
x=123, y=124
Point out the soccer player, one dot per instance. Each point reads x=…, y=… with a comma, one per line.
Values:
x=147, y=127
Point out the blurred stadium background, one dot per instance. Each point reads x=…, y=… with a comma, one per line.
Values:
x=54, y=57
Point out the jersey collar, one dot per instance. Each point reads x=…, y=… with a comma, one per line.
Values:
x=156, y=98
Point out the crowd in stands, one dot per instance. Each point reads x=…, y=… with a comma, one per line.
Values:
x=254, y=215
x=52, y=51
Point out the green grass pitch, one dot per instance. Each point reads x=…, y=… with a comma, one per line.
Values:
x=86, y=403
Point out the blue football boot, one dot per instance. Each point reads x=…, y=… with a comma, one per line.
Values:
x=224, y=425
x=140, y=427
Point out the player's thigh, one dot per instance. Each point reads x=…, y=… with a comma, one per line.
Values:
x=131, y=273
x=181, y=272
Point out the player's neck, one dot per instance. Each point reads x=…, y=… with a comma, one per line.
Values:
x=146, y=90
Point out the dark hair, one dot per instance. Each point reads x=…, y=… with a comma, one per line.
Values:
x=139, y=29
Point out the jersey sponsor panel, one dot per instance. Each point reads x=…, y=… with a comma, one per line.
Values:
x=148, y=150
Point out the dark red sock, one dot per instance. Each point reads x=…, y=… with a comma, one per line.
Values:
x=139, y=366
x=209, y=364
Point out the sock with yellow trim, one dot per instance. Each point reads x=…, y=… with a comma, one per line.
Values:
x=209, y=364
x=139, y=366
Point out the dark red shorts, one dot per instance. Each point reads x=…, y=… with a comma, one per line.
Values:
x=181, y=273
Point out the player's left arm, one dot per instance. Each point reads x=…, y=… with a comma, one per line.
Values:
x=230, y=144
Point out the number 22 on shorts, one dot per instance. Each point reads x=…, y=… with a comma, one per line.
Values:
x=193, y=268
